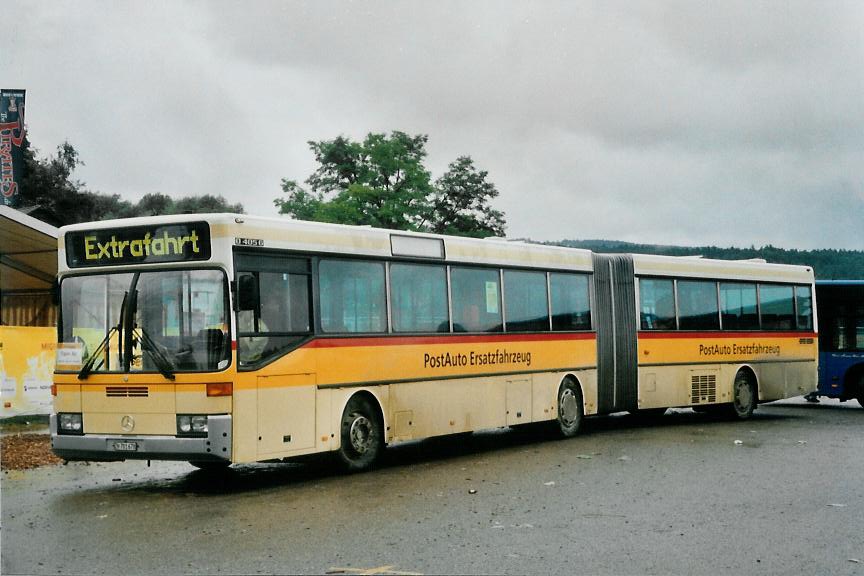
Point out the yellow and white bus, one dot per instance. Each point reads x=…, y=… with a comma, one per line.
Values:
x=226, y=338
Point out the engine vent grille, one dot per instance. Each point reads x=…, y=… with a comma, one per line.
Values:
x=703, y=388
x=127, y=391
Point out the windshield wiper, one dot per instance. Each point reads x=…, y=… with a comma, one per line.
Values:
x=103, y=346
x=88, y=366
x=163, y=363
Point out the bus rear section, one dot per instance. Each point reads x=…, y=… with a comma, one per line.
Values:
x=723, y=335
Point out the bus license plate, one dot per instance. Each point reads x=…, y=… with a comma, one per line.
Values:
x=125, y=446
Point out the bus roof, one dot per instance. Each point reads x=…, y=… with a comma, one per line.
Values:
x=752, y=270
x=229, y=230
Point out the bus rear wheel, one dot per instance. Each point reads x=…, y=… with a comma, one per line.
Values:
x=362, y=438
x=570, y=408
x=744, y=396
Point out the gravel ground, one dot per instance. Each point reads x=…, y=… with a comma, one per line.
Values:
x=25, y=451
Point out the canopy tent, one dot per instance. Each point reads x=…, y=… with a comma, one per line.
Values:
x=28, y=267
x=28, y=252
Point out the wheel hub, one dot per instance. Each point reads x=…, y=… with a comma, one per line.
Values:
x=567, y=407
x=744, y=395
x=360, y=434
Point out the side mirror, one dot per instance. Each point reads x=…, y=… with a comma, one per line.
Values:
x=247, y=292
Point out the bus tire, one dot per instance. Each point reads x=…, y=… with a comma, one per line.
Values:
x=571, y=410
x=362, y=436
x=744, y=396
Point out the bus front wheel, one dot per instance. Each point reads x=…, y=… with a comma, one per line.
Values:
x=570, y=408
x=362, y=436
x=744, y=396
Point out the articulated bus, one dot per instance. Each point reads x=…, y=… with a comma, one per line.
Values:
x=841, y=349
x=222, y=338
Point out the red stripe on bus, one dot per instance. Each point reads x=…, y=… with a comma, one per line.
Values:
x=421, y=340
x=662, y=335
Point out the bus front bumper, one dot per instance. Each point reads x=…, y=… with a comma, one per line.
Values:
x=216, y=447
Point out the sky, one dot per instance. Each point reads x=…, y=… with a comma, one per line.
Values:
x=732, y=123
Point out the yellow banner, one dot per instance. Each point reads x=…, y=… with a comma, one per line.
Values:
x=26, y=369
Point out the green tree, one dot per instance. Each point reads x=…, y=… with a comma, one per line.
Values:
x=205, y=204
x=460, y=202
x=48, y=185
x=380, y=182
x=108, y=207
x=383, y=182
x=154, y=204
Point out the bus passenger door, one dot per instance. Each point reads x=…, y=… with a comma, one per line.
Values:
x=286, y=413
x=615, y=322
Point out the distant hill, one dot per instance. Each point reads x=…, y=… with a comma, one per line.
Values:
x=828, y=264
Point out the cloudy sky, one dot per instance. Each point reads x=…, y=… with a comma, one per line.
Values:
x=691, y=122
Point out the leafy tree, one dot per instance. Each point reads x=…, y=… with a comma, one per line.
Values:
x=155, y=203
x=460, y=202
x=48, y=184
x=204, y=204
x=380, y=182
x=383, y=182
x=108, y=207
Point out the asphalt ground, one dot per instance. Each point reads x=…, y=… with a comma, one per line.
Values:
x=685, y=494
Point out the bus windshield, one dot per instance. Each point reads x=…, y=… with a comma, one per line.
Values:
x=166, y=321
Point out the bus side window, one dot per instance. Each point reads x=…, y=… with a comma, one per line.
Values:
x=804, y=305
x=476, y=299
x=526, y=301
x=776, y=305
x=418, y=295
x=273, y=308
x=353, y=296
x=571, y=309
x=738, y=306
x=657, y=304
x=697, y=305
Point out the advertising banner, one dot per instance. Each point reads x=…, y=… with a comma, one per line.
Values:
x=27, y=357
x=12, y=134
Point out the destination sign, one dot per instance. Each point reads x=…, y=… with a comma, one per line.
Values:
x=154, y=244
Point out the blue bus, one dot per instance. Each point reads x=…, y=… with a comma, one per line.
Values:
x=841, y=340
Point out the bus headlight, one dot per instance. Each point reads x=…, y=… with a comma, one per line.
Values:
x=191, y=425
x=70, y=423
